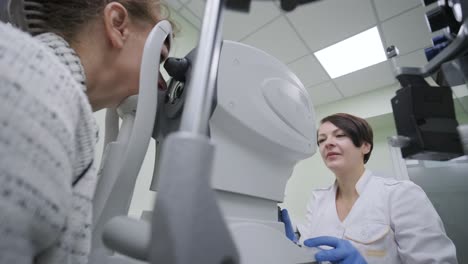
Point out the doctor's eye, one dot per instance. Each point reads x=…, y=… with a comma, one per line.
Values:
x=320, y=141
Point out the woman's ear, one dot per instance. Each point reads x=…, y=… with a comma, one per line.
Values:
x=366, y=148
x=116, y=23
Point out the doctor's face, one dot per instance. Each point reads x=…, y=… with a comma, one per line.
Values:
x=337, y=149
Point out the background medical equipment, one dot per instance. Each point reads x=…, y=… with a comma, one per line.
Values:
x=426, y=123
x=424, y=114
x=212, y=207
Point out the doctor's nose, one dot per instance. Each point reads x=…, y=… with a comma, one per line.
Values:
x=328, y=143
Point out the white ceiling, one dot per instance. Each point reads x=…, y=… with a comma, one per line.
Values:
x=293, y=37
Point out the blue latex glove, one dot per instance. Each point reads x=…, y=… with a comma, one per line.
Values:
x=288, y=226
x=343, y=253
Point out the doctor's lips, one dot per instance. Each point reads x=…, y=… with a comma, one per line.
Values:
x=332, y=154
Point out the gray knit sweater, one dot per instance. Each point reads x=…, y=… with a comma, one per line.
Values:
x=47, y=139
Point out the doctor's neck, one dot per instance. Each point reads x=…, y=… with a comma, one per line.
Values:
x=347, y=180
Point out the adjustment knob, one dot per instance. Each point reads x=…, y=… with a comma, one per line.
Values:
x=437, y=18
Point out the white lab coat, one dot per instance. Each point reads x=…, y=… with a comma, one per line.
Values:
x=391, y=222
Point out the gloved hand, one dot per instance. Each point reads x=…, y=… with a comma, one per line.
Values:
x=343, y=253
x=288, y=226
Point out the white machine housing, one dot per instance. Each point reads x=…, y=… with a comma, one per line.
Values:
x=262, y=125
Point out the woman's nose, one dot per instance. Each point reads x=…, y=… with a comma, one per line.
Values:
x=329, y=142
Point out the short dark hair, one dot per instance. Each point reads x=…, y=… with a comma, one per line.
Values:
x=356, y=128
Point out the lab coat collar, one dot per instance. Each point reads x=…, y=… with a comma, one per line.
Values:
x=361, y=183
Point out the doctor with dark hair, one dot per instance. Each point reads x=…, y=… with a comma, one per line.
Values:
x=364, y=218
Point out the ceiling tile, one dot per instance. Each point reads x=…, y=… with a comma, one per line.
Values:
x=365, y=80
x=388, y=8
x=408, y=31
x=197, y=7
x=324, y=93
x=286, y=46
x=324, y=23
x=309, y=70
x=413, y=59
x=189, y=16
x=238, y=25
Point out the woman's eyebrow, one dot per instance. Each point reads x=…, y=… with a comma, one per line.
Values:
x=338, y=130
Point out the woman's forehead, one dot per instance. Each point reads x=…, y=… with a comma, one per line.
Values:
x=327, y=128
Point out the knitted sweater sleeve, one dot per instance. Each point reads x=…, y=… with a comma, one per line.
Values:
x=38, y=116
